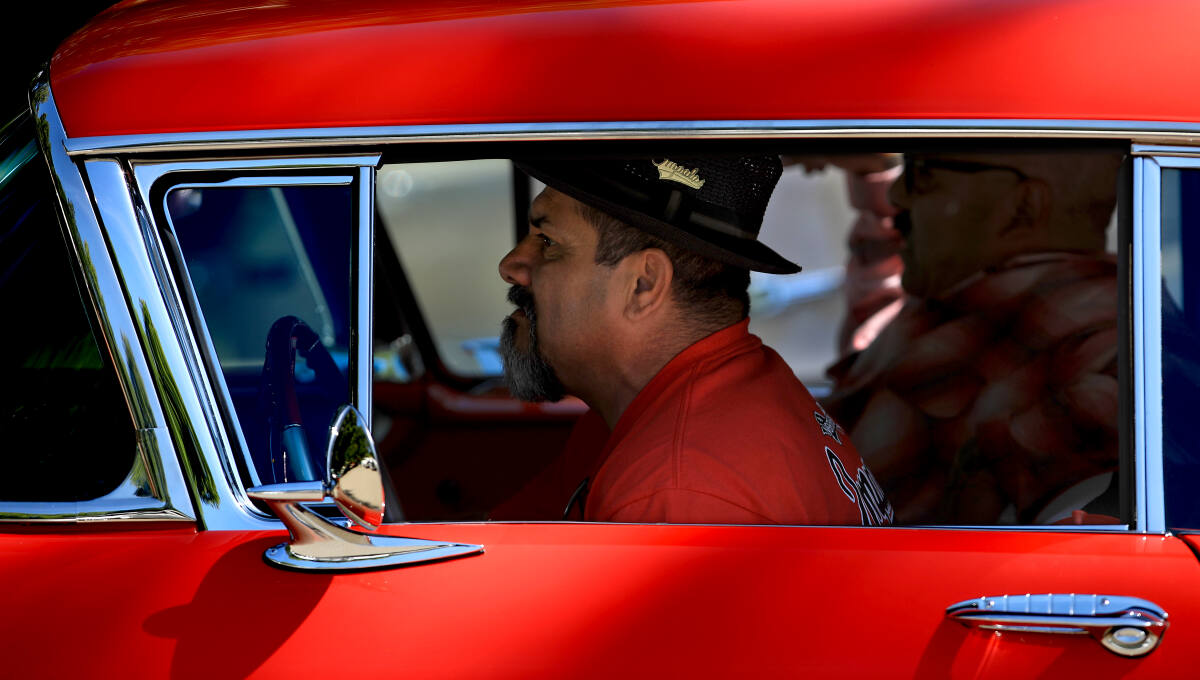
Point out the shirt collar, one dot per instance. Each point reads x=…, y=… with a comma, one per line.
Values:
x=733, y=338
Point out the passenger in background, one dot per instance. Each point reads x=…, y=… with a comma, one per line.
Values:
x=992, y=396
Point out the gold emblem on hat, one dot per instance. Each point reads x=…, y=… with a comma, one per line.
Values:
x=677, y=173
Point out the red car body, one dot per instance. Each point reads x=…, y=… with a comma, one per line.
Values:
x=218, y=66
x=191, y=596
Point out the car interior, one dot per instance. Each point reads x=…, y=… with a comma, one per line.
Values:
x=268, y=264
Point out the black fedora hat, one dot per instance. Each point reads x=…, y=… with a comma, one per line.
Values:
x=712, y=205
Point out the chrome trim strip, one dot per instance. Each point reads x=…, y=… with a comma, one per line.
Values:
x=323, y=181
x=196, y=350
x=1160, y=150
x=185, y=415
x=1152, y=349
x=1044, y=528
x=727, y=129
x=149, y=173
x=1147, y=342
x=155, y=488
x=362, y=343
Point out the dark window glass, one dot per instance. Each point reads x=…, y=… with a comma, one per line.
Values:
x=1181, y=345
x=271, y=268
x=65, y=430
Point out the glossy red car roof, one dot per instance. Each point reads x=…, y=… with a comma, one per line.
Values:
x=155, y=67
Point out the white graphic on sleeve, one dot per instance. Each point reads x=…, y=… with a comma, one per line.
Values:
x=829, y=426
x=863, y=490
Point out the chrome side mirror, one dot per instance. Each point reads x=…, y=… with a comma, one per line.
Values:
x=355, y=483
x=354, y=478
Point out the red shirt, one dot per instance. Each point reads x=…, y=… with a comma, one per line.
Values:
x=726, y=434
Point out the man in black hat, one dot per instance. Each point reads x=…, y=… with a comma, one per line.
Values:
x=631, y=294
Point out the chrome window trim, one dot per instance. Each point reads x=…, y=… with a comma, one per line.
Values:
x=186, y=417
x=1138, y=131
x=1147, y=347
x=1151, y=300
x=282, y=180
x=146, y=173
x=1160, y=150
x=155, y=489
x=362, y=342
x=198, y=352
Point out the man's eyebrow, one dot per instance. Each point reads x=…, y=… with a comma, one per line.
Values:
x=537, y=220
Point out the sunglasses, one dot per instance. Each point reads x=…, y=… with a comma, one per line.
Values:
x=918, y=172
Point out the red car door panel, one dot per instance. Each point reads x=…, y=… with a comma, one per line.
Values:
x=602, y=600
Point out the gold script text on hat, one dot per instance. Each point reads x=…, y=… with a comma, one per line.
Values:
x=677, y=173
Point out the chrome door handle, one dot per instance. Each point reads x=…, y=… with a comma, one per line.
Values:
x=1124, y=625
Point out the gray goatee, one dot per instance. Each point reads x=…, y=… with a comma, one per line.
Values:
x=530, y=377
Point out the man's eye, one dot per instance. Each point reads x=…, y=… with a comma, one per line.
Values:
x=546, y=241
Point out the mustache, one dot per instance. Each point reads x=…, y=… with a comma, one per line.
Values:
x=521, y=297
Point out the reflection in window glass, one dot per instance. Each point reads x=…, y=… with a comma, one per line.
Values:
x=991, y=394
x=451, y=223
x=798, y=315
x=64, y=425
x=1181, y=345
x=260, y=259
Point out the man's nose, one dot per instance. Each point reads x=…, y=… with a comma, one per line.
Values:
x=514, y=267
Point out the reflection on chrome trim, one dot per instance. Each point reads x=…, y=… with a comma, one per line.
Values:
x=729, y=129
x=1147, y=346
x=183, y=415
x=154, y=488
x=131, y=497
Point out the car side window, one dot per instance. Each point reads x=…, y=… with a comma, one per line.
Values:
x=66, y=431
x=269, y=260
x=978, y=380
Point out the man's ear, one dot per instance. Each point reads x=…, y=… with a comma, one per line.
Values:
x=652, y=274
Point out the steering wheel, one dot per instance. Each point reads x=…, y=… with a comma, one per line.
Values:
x=290, y=457
x=288, y=442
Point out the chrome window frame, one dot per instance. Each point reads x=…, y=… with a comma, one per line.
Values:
x=1137, y=132
x=202, y=367
x=1147, y=340
x=155, y=489
x=1145, y=349
x=1150, y=161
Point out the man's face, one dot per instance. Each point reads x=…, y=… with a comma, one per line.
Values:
x=951, y=206
x=552, y=343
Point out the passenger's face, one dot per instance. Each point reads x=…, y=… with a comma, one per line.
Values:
x=552, y=343
x=949, y=207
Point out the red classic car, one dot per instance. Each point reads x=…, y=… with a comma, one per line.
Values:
x=193, y=182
